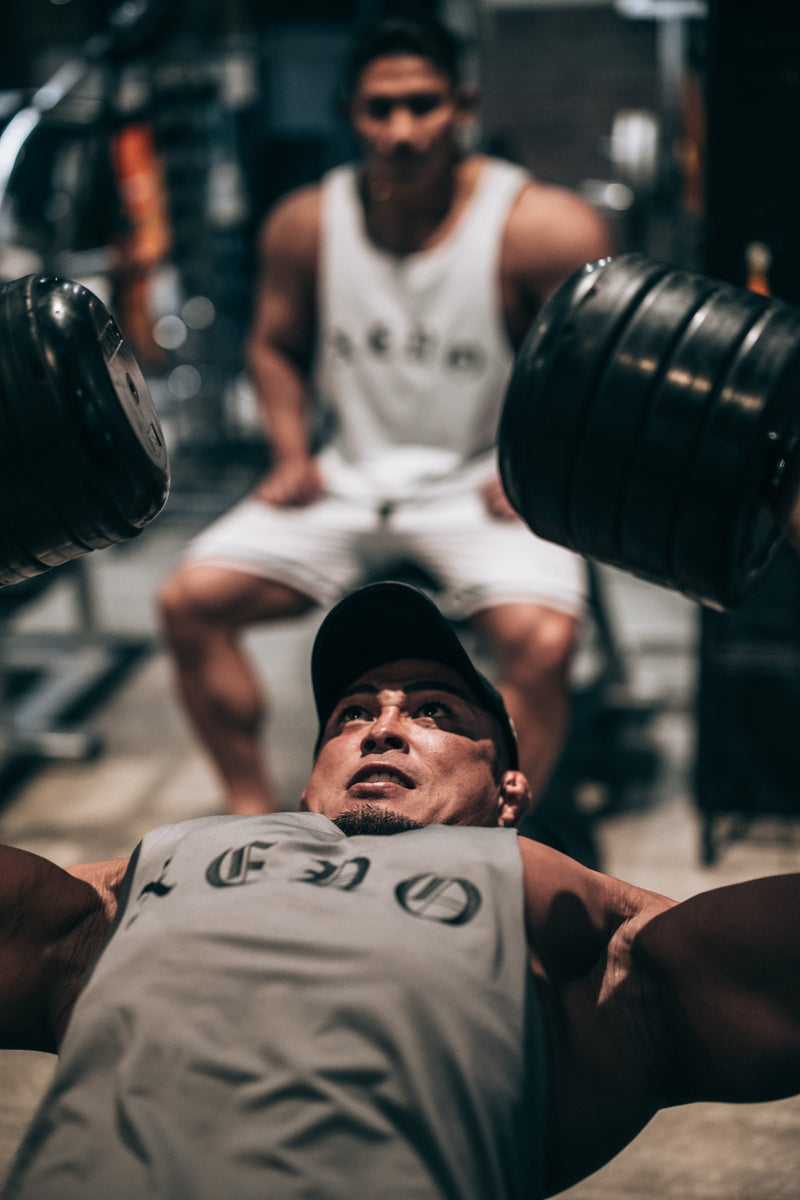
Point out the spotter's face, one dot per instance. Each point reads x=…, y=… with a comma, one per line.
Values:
x=406, y=113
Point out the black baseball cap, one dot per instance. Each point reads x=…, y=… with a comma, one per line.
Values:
x=381, y=623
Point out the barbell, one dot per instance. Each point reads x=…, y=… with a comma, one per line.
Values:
x=83, y=461
x=652, y=422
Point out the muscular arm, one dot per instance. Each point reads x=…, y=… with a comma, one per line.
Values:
x=650, y=1003
x=52, y=922
x=603, y=1054
x=726, y=972
x=280, y=343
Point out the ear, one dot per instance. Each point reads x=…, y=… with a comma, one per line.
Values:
x=303, y=805
x=514, y=798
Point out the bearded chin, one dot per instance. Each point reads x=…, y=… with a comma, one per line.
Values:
x=374, y=819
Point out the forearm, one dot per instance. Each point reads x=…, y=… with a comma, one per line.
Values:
x=726, y=968
x=282, y=396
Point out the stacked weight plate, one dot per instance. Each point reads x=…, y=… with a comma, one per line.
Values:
x=649, y=422
x=83, y=462
x=555, y=378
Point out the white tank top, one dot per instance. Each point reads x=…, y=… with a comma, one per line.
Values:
x=285, y=1012
x=413, y=354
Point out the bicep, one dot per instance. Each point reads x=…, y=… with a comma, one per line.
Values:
x=725, y=971
x=571, y=912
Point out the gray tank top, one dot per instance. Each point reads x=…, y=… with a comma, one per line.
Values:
x=285, y=1012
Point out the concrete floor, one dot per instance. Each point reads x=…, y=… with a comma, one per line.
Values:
x=150, y=772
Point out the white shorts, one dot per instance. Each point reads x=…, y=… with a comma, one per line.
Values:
x=330, y=547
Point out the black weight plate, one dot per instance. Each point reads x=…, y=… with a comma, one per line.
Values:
x=85, y=417
x=16, y=563
x=603, y=457
x=527, y=385
x=725, y=530
x=35, y=532
x=758, y=533
x=588, y=340
x=44, y=507
x=124, y=442
x=557, y=387
x=718, y=492
x=782, y=419
x=690, y=379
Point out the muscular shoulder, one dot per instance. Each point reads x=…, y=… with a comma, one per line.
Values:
x=291, y=230
x=574, y=913
x=550, y=233
x=553, y=229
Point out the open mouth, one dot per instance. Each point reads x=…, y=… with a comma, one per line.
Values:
x=380, y=776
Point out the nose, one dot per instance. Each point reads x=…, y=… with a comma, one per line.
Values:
x=401, y=126
x=386, y=732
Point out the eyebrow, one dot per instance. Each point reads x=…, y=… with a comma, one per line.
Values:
x=401, y=95
x=387, y=92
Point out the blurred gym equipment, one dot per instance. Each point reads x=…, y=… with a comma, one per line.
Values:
x=82, y=457
x=651, y=423
x=83, y=465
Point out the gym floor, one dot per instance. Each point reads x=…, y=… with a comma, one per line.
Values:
x=149, y=772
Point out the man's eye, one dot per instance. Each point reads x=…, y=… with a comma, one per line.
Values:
x=433, y=708
x=420, y=106
x=379, y=109
x=353, y=712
